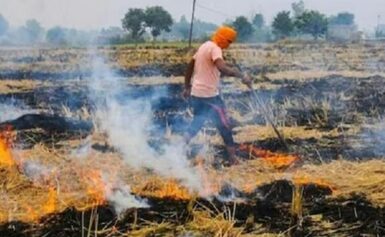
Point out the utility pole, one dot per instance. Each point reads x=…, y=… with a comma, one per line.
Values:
x=378, y=33
x=192, y=24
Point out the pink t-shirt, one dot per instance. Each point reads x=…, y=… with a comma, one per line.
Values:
x=205, y=81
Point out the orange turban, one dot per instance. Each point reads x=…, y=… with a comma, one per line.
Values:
x=224, y=36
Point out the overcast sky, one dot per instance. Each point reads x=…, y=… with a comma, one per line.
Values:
x=86, y=14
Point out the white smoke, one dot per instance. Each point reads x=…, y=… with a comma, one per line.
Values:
x=10, y=110
x=36, y=172
x=372, y=138
x=122, y=199
x=127, y=123
x=83, y=150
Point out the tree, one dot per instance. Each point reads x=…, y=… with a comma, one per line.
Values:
x=182, y=27
x=312, y=22
x=298, y=8
x=203, y=30
x=258, y=21
x=282, y=24
x=343, y=18
x=243, y=27
x=3, y=25
x=56, y=35
x=133, y=22
x=158, y=20
x=33, y=30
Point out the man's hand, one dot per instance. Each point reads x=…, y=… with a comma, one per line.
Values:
x=247, y=80
x=186, y=92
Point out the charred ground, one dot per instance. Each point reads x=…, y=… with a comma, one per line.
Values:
x=325, y=118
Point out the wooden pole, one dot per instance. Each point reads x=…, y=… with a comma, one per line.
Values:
x=191, y=24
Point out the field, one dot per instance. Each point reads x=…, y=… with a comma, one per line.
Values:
x=90, y=143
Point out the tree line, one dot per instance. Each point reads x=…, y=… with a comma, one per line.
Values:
x=295, y=23
x=156, y=23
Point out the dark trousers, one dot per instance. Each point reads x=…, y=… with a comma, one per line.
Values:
x=212, y=109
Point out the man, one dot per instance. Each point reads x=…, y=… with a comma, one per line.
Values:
x=202, y=81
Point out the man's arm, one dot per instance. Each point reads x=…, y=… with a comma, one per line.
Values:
x=230, y=71
x=226, y=69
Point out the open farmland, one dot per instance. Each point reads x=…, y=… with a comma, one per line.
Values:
x=90, y=143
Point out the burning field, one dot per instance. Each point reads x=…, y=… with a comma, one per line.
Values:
x=90, y=144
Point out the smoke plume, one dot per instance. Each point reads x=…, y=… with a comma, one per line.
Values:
x=127, y=120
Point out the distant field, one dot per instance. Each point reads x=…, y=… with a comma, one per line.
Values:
x=170, y=59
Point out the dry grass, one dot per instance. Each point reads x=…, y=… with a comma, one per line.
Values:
x=15, y=86
x=252, y=133
x=22, y=193
x=314, y=74
x=215, y=224
x=27, y=198
x=153, y=81
x=281, y=56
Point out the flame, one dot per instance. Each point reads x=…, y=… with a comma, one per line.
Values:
x=277, y=160
x=31, y=215
x=299, y=180
x=5, y=144
x=33, y=212
x=51, y=204
x=95, y=189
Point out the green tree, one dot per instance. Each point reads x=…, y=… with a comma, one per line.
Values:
x=282, y=24
x=3, y=25
x=243, y=27
x=312, y=22
x=258, y=21
x=33, y=31
x=182, y=27
x=343, y=18
x=56, y=35
x=134, y=22
x=158, y=20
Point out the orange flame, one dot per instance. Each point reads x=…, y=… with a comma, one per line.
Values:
x=95, y=188
x=51, y=204
x=31, y=214
x=5, y=144
x=277, y=160
x=303, y=180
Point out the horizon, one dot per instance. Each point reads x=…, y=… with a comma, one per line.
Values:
x=102, y=14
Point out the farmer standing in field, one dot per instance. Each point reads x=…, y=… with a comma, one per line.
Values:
x=202, y=81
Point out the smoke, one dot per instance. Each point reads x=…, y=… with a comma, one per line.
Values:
x=371, y=139
x=122, y=199
x=37, y=172
x=127, y=120
x=11, y=109
x=117, y=194
x=83, y=150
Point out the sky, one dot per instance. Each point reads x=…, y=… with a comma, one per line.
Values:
x=95, y=14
